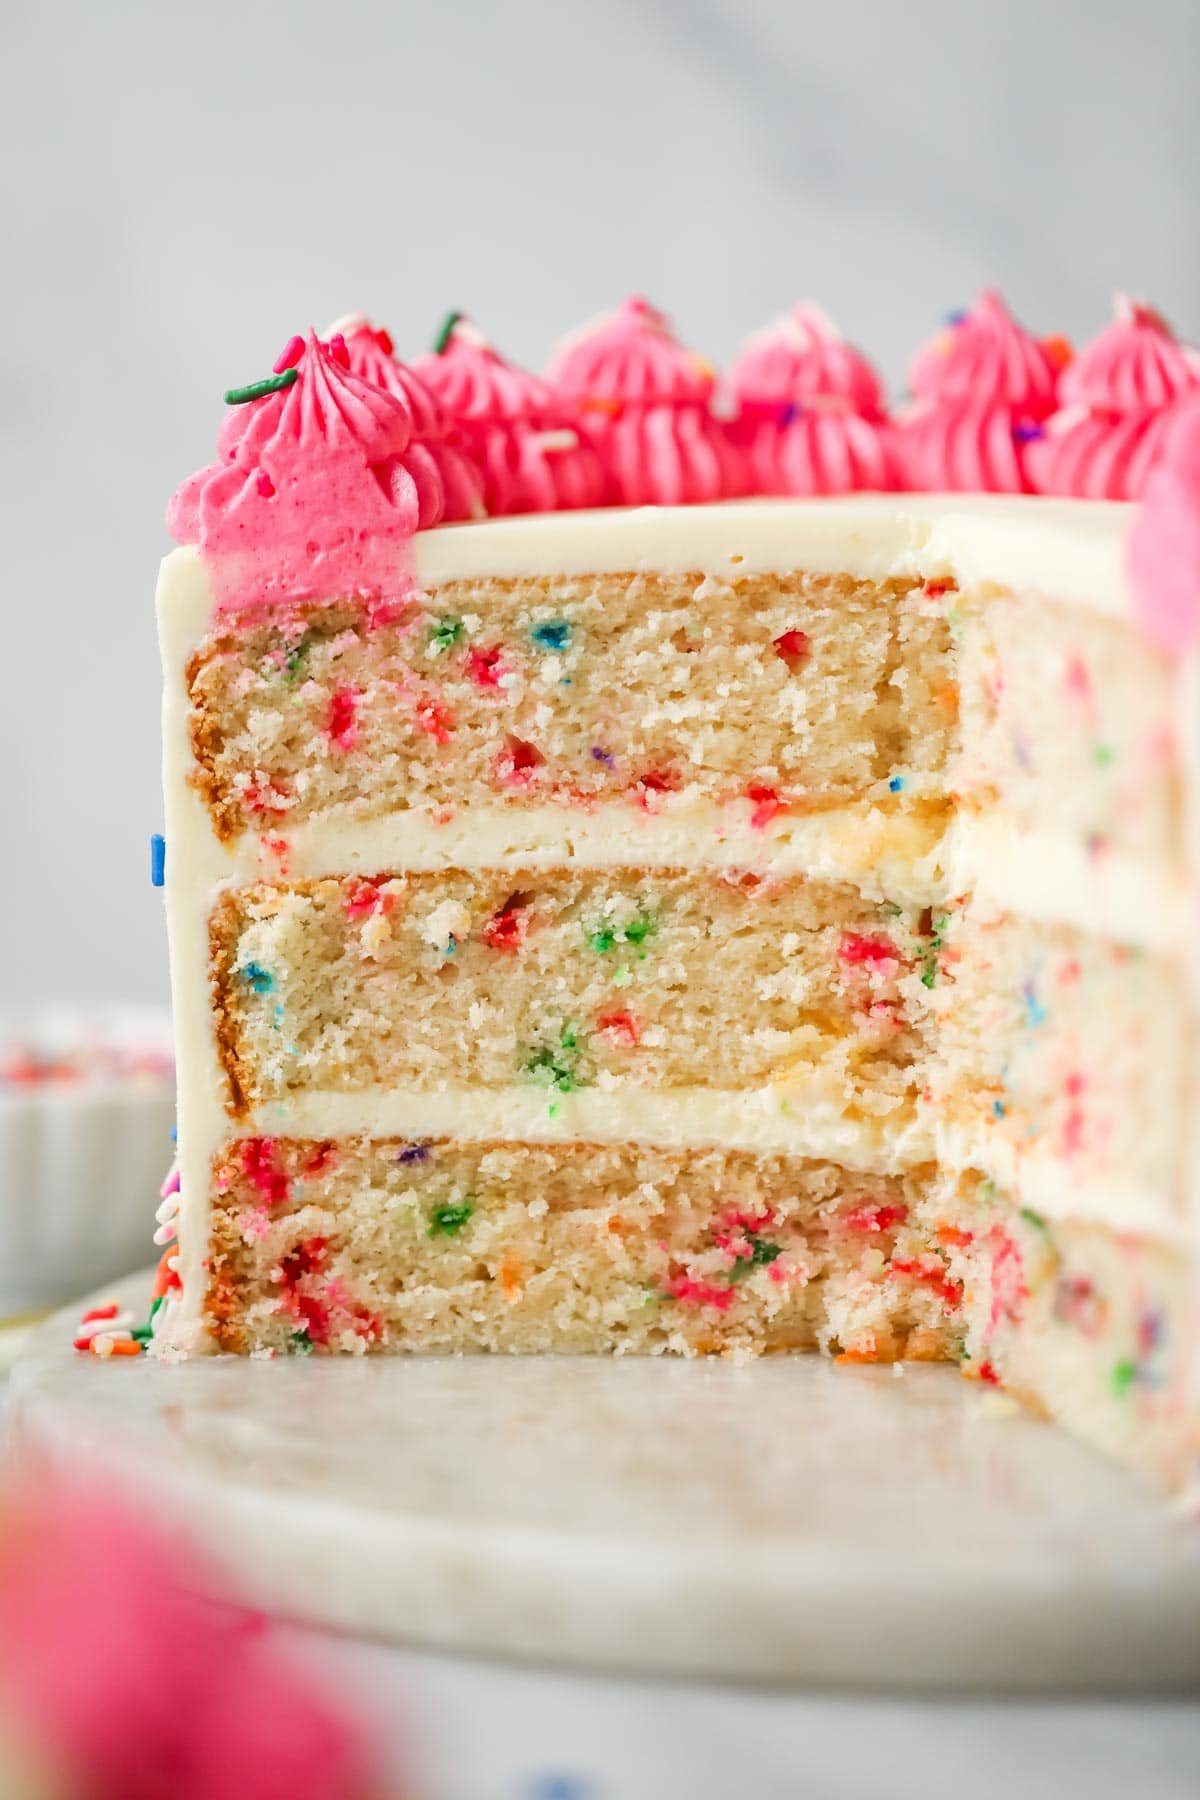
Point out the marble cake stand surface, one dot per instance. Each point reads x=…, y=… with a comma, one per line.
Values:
x=786, y=1521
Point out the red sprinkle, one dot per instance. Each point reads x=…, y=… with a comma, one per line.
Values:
x=384, y=340
x=936, y=590
x=100, y=1312
x=875, y=1218
x=620, y=1025
x=264, y=484
x=931, y=1272
x=338, y=350
x=436, y=720
x=875, y=952
x=308, y=1258
x=261, y=1169
x=766, y=803
x=289, y=356
x=506, y=929
x=691, y=1292
x=792, y=646
x=987, y=1373
x=363, y=898
x=518, y=763
x=341, y=725
x=485, y=665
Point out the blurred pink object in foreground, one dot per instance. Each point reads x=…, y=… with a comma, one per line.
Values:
x=123, y=1683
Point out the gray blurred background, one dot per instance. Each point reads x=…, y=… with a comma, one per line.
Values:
x=184, y=186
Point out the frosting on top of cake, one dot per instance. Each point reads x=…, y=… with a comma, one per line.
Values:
x=644, y=407
x=327, y=469
x=449, y=483
x=1118, y=403
x=1164, y=545
x=513, y=427
x=312, y=492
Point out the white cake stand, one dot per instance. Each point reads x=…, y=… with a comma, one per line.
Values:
x=788, y=1521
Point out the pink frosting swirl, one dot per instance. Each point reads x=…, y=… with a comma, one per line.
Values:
x=643, y=403
x=312, y=496
x=1164, y=544
x=803, y=359
x=961, y=448
x=982, y=388
x=1119, y=398
x=629, y=358
x=985, y=358
x=1136, y=364
x=810, y=411
x=530, y=456
x=449, y=484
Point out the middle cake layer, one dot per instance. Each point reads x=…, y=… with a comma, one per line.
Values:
x=568, y=980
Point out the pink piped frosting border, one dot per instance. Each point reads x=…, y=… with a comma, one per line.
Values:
x=327, y=468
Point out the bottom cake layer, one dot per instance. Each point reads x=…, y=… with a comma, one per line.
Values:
x=440, y=1246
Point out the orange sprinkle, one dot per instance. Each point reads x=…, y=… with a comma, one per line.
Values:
x=512, y=1277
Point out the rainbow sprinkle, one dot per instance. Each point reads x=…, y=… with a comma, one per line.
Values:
x=256, y=390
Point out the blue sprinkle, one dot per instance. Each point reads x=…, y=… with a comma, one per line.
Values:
x=277, y=1014
x=1034, y=1010
x=174, y=1134
x=415, y=1153
x=158, y=859
x=895, y=784
x=958, y=317
x=255, y=976
x=603, y=756
x=551, y=634
x=999, y=1108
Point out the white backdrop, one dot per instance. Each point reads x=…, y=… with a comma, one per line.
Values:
x=184, y=186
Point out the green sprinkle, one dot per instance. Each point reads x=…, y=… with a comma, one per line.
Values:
x=1034, y=1218
x=297, y=656
x=448, y=1221
x=1123, y=1377
x=441, y=342
x=270, y=384
x=445, y=634
x=761, y=1257
x=937, y=940
x=1102, y=755
x=557, y=1065
x=605, y=937
x=622, y=976
x=301, y=1343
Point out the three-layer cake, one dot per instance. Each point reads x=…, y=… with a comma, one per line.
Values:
x=740, y=926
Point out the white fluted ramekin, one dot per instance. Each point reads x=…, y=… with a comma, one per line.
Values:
x=83, y=1151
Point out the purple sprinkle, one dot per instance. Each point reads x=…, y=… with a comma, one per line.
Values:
x=602, y=756
x=1028, y=434
x=958, y=316
x=790, y=412
x=414, y=1153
